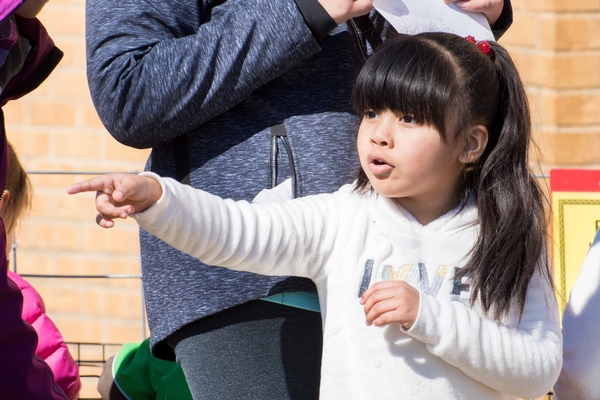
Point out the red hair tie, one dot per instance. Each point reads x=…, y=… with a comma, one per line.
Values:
x=484, y=46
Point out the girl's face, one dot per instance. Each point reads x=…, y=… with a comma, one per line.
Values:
x=410, y=162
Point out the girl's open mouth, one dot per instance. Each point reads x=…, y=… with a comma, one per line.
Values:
x=378, y=165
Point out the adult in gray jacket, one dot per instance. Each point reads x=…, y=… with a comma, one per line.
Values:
x=235, y=96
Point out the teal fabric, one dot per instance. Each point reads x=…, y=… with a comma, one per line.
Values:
x=304, y=300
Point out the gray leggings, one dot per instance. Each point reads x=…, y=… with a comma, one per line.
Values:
x=258, y=350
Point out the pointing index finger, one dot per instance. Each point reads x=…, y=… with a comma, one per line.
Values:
x=99, y=183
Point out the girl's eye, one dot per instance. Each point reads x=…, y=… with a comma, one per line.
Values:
x=370, y=114
x=408, y=119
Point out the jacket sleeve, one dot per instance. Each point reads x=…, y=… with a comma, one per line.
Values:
x=41, y=60
x=280, y=239
x=504, y=21
x=159, y=69
x=580, y=375
x=7, y=7
x=522, y=359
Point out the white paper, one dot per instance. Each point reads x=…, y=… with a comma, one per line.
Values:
x=416, y=16
x=280, y=193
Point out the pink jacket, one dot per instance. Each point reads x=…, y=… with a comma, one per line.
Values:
x=51, y=346
x=7, y=7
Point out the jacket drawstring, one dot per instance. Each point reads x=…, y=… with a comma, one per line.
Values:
x=279, y=132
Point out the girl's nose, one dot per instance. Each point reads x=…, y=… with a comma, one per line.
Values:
x=382, y=134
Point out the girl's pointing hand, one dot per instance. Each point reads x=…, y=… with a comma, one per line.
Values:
x=119, y=195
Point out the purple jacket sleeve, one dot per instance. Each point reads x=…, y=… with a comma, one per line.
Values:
x=8, y=6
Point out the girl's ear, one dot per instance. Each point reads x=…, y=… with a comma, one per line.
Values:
x=3, y=199
x=474, y=146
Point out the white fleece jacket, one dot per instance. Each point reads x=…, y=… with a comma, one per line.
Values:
x=345, y=242
x=580, y=375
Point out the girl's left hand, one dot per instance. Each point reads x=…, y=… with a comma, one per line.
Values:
x=391, y=302
x=490, y=8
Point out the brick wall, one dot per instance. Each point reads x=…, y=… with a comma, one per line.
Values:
x=556, y=44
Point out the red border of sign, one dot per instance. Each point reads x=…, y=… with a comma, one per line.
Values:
x=574, y=180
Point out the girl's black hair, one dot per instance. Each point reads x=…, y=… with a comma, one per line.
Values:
x=447, y=82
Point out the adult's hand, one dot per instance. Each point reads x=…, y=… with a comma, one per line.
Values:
x=342, y=10
x=490, y=8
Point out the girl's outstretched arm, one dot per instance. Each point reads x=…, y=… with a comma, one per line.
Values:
x=119, y=195
x=289, y=238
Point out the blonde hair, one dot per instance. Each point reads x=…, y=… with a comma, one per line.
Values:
x=21, y=192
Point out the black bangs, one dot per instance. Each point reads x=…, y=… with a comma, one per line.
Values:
x=409, y=78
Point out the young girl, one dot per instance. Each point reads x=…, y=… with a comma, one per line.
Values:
x=438, y=247
x=15, y=202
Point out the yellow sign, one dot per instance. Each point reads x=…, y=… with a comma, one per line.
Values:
x=576, y=218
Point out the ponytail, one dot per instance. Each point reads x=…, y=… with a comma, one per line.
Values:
x=510, y=203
